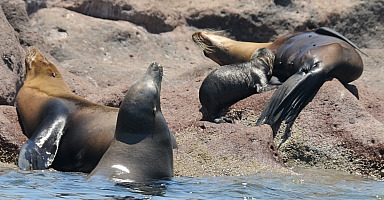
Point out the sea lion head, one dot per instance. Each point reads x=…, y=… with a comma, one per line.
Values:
x=42, y=73
x=267, y=57
x=141, y=103
x=150, y=83
x=38, y=65
x=223, y=50
x=214, y=46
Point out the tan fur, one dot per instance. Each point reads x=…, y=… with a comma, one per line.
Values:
x=42, y=75
x=43, y=81
x=90, y=127
x=218, y=47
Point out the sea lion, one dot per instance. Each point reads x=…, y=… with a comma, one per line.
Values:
x=65, y=131
x=304, y=61
x=230, y=83
x=141, y=150
x=225, y=51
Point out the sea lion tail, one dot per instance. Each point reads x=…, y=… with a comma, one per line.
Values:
x=291, y=97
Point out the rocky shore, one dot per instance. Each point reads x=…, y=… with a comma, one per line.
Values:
x=102, y=46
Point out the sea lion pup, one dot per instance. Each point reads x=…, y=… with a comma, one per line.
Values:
x=304, y=60
x=141, y=150
x=65, y=131
x=230, y=83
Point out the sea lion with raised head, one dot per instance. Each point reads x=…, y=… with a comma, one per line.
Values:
x=65, y=131
x=304, y=61
x=230, y=83
x=141, y=150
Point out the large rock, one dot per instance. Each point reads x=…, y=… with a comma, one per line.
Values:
x=336, y=131
x=11, y=64
x=17, y=16
x=145, y=14
x=371, y=84
x=11, y=136
x=208, y=149
x=340, y=129
x=85, y=46
x=259, y=21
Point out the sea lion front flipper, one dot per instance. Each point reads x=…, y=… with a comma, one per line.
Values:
x=291, y=97
x=333, y=33
x=40, y=150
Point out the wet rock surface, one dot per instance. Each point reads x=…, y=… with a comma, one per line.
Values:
x=102, y=46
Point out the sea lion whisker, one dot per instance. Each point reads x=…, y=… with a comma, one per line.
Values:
x=166, y=80
x=208, y=48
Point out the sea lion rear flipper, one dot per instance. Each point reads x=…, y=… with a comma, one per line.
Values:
x=333, y=33
x=40, y=150
x=291, y=97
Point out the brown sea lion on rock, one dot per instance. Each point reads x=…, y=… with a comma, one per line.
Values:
x=225, y=51
x=304, y=61
x=141, y=150
x=65, y=131
x=230, y=83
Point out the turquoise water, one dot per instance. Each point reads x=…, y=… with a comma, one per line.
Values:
x=308, y=184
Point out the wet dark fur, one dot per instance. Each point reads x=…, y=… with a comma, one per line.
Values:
x=230, y=83
x=304, y=61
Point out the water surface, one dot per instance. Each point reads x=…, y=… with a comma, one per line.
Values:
x=307, y=184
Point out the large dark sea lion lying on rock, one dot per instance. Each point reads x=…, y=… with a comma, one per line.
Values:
x=304, y=61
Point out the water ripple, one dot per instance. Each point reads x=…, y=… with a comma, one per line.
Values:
x=312, y=184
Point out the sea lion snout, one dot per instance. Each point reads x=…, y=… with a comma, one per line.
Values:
x=205, y=41
x=199, y=40
x=197, y=36
x=30, y=56
x=156, y=67
x=34, y=55
x=156, y=70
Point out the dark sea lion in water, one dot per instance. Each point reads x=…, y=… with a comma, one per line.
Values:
x=230, y=83
x=141, y=150
x=66, y=132
x=304, y=61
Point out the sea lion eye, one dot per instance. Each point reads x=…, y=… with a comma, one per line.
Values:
x=53, y=74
